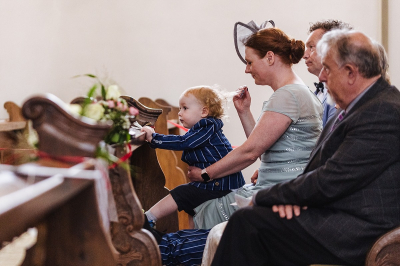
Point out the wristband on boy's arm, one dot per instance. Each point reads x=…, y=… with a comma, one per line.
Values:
x=205, y=176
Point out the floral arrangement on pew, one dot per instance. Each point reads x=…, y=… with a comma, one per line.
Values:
x=108, y=106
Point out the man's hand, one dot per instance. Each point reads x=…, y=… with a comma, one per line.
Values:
x=287, y=211
x=149, y=131
x=194, y=174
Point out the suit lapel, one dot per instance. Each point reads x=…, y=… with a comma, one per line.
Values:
x=379, y=85
x=325, y=133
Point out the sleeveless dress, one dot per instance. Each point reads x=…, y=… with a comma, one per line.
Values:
x=284, y=160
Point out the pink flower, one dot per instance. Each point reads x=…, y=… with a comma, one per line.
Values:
x=121, y=106
x=133, y=111
x=111, y=104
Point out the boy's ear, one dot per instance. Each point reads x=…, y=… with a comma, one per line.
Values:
x=205, y=111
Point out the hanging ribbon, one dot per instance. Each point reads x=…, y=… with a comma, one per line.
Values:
x=123, y=158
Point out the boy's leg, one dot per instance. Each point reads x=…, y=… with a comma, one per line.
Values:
x=164, y=207
x=190, y=220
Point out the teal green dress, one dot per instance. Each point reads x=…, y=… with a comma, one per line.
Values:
x=284, y=160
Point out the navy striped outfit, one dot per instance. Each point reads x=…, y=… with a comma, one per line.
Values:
x=184, y=247
x=203, y=145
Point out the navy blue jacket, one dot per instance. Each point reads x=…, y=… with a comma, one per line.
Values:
x=203, y=145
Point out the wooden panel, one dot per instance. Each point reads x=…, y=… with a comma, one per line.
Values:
x=169, y=160
x=70, y=232
x=15, y=121
x=173, y=115
x=134, y=244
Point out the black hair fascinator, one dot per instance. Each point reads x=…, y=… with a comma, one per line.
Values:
x=243, y=31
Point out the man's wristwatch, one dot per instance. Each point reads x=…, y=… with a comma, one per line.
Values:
x=205, y=176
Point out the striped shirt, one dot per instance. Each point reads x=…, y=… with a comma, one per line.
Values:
x=184, y=247
x=203, y=145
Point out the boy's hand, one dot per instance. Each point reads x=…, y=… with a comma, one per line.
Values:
x=254, y=177
x=149, y=131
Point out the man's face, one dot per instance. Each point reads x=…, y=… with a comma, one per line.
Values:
x=335, y=79
x=312, y=59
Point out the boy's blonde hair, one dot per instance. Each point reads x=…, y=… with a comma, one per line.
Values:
x=210, y=97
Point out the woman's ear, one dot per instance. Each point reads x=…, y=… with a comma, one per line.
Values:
x=205, y=111
x=270, y=57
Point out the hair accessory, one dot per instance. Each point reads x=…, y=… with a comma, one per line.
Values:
x=243, y=31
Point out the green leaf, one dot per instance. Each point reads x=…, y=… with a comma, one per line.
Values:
x=85, y=75
x=92, y=91
x=115, y=138
x=103, y=91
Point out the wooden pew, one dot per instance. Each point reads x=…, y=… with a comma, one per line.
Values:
x=169, y=161
x=173, y=115
x=148, y=179
x=14, y=148
x=132, y=245
x=63, y=209
x=386, y=250
x=62, y=205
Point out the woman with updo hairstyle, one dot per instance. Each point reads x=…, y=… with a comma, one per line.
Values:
x=284, y=134
x=291, y=51
x=282, y=137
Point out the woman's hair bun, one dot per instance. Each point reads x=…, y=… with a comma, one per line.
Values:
x=297, y=50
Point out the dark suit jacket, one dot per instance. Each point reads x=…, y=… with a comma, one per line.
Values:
x=351, y=184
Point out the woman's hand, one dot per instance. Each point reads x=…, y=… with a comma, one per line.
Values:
x=242, y=99
x=194, y=174
x=149, y=131
x=254, y=177
x=287, y=211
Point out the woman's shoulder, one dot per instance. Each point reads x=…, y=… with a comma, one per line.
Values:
x=293, y=88
x=290, y=92
x=298, y=92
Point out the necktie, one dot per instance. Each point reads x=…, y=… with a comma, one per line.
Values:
x=320, y=87
x=338, y=119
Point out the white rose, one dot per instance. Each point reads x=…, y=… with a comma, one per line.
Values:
x=32, y=137
x=75, y=109
x=94, y=111
x=112, y=93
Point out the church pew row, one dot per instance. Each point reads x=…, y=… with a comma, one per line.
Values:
x=62, y=134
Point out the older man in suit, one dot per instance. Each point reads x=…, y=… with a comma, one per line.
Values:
x=351, y=185
x=313, y=61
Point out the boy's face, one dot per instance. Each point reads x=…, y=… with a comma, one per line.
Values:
x=191, y=111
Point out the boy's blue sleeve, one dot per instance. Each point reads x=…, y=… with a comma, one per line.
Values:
x=192, y=139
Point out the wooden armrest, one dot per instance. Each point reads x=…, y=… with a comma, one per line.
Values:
x=386, y=250
x=16, y=120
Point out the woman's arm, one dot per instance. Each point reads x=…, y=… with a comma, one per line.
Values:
x=266, y=132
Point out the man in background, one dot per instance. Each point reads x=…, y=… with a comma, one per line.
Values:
x=313, y=61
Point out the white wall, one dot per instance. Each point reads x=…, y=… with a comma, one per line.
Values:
x=155, y=48
x=394, y=41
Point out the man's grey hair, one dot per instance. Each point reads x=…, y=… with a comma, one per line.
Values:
x=384, y=61
x=365, y=56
